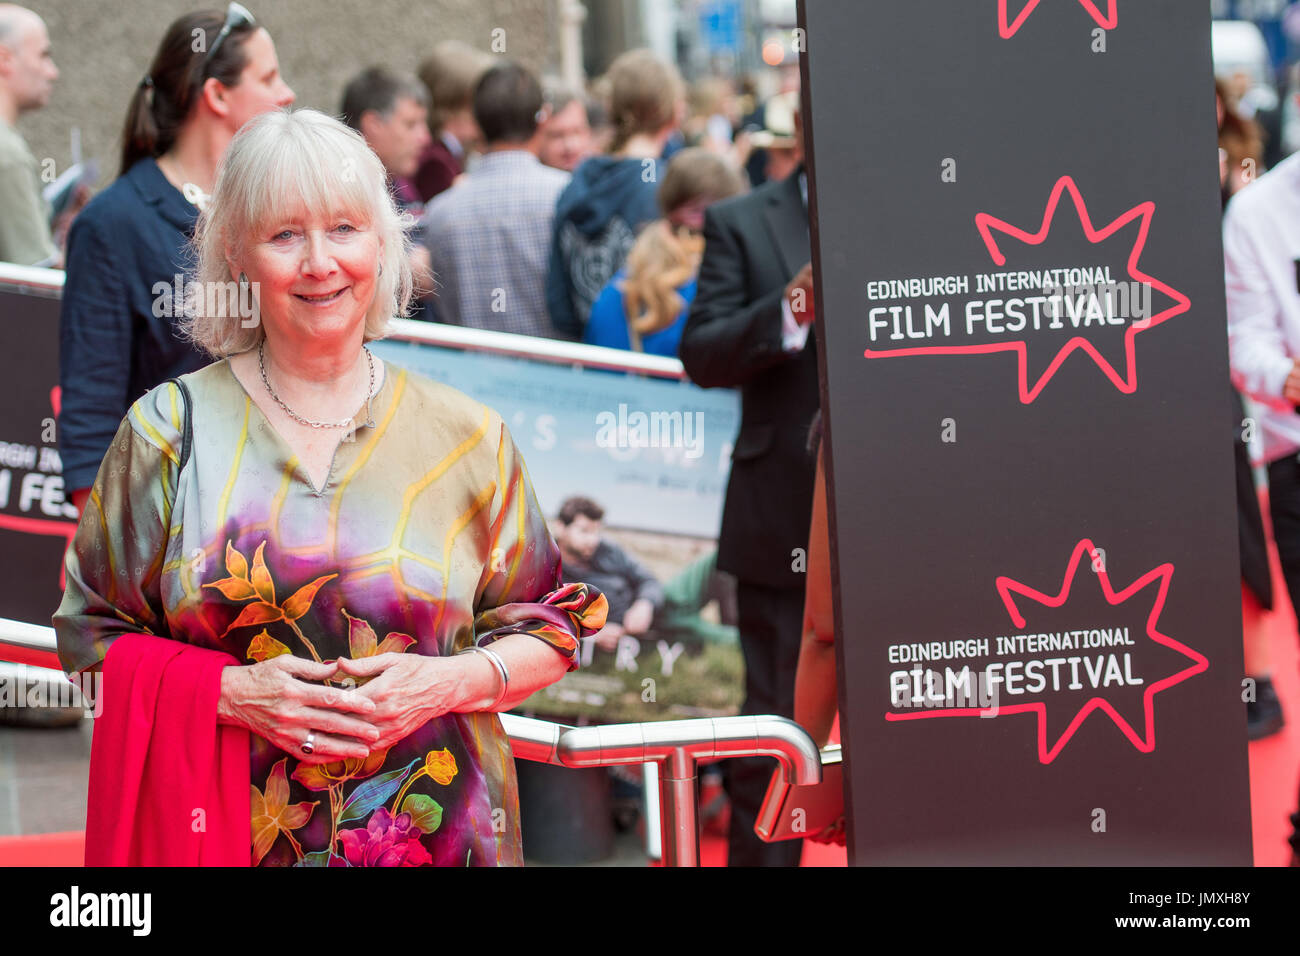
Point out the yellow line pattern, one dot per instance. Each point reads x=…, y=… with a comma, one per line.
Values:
x=460, y=524
x=363, y=456
x=154, y=434
x=234, y=465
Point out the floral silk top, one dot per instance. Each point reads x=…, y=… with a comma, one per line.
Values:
x=425, y=538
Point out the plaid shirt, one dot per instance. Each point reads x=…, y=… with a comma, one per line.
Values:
x=490, y=239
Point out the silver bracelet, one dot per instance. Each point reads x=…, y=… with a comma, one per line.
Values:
x=500, y=666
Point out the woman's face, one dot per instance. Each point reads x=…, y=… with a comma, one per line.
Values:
x=315, y=277
x=260, y=88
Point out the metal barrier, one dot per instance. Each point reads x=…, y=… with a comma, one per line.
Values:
x=675, y=747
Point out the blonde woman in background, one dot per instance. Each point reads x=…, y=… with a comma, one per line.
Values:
x=643, y=308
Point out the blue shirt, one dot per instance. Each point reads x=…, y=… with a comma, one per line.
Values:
x=608, y=323
x=117, y=339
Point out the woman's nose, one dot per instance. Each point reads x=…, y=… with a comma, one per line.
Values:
x=319, y=259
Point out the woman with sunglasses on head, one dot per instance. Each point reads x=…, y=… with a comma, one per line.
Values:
x=643, y=307
x=120, y=308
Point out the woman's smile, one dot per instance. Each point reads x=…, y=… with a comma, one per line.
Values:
x=324, y=298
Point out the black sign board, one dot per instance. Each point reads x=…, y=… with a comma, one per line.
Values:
x=1024, y=357
x=36, y=521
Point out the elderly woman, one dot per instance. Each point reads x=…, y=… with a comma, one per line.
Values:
x=344, y=530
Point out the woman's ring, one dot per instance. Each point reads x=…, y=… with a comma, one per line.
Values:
x=307, y=746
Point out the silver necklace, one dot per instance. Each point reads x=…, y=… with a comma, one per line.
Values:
x=370, y=419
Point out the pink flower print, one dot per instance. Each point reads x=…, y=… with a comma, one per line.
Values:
x=386, y=841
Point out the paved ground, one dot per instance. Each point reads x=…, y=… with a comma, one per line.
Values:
x=43, y=779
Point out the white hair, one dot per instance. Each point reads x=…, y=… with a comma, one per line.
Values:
x=278, y=163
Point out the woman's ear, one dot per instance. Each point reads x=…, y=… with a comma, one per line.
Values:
x=213, y=95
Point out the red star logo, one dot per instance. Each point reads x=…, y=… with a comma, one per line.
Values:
x=1126, y=382
x=1007, y=29
x=1144, y=741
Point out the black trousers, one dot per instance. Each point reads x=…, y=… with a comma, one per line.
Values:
x=1284, y=509
x=1252, y=541
x=771, y=622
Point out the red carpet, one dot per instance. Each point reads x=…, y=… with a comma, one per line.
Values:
x=1275, y=761
x=43, y=849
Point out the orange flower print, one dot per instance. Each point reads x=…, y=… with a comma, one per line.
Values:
x=322, y=776
x=363, y=642
x=440, y=765
x=264, y=647
x=272, y=815
x=255, y=584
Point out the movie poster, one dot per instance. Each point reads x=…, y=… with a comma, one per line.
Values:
x=650, y=457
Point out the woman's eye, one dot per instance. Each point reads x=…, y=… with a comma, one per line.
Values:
x=346, y=227
x=286, y=234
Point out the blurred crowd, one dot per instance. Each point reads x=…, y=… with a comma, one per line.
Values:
x=526, y=197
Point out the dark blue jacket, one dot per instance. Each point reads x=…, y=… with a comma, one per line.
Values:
x=597, y=217
x=126, y=245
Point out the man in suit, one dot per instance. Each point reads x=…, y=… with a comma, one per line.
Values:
x=750, y=327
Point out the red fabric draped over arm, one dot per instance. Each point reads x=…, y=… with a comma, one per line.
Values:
x=169, y=786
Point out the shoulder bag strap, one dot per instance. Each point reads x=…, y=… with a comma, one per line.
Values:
x=187, y=427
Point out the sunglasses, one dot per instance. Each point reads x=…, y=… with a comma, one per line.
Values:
x=237, y=15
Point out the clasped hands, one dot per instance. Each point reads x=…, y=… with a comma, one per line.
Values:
x=277, y=700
